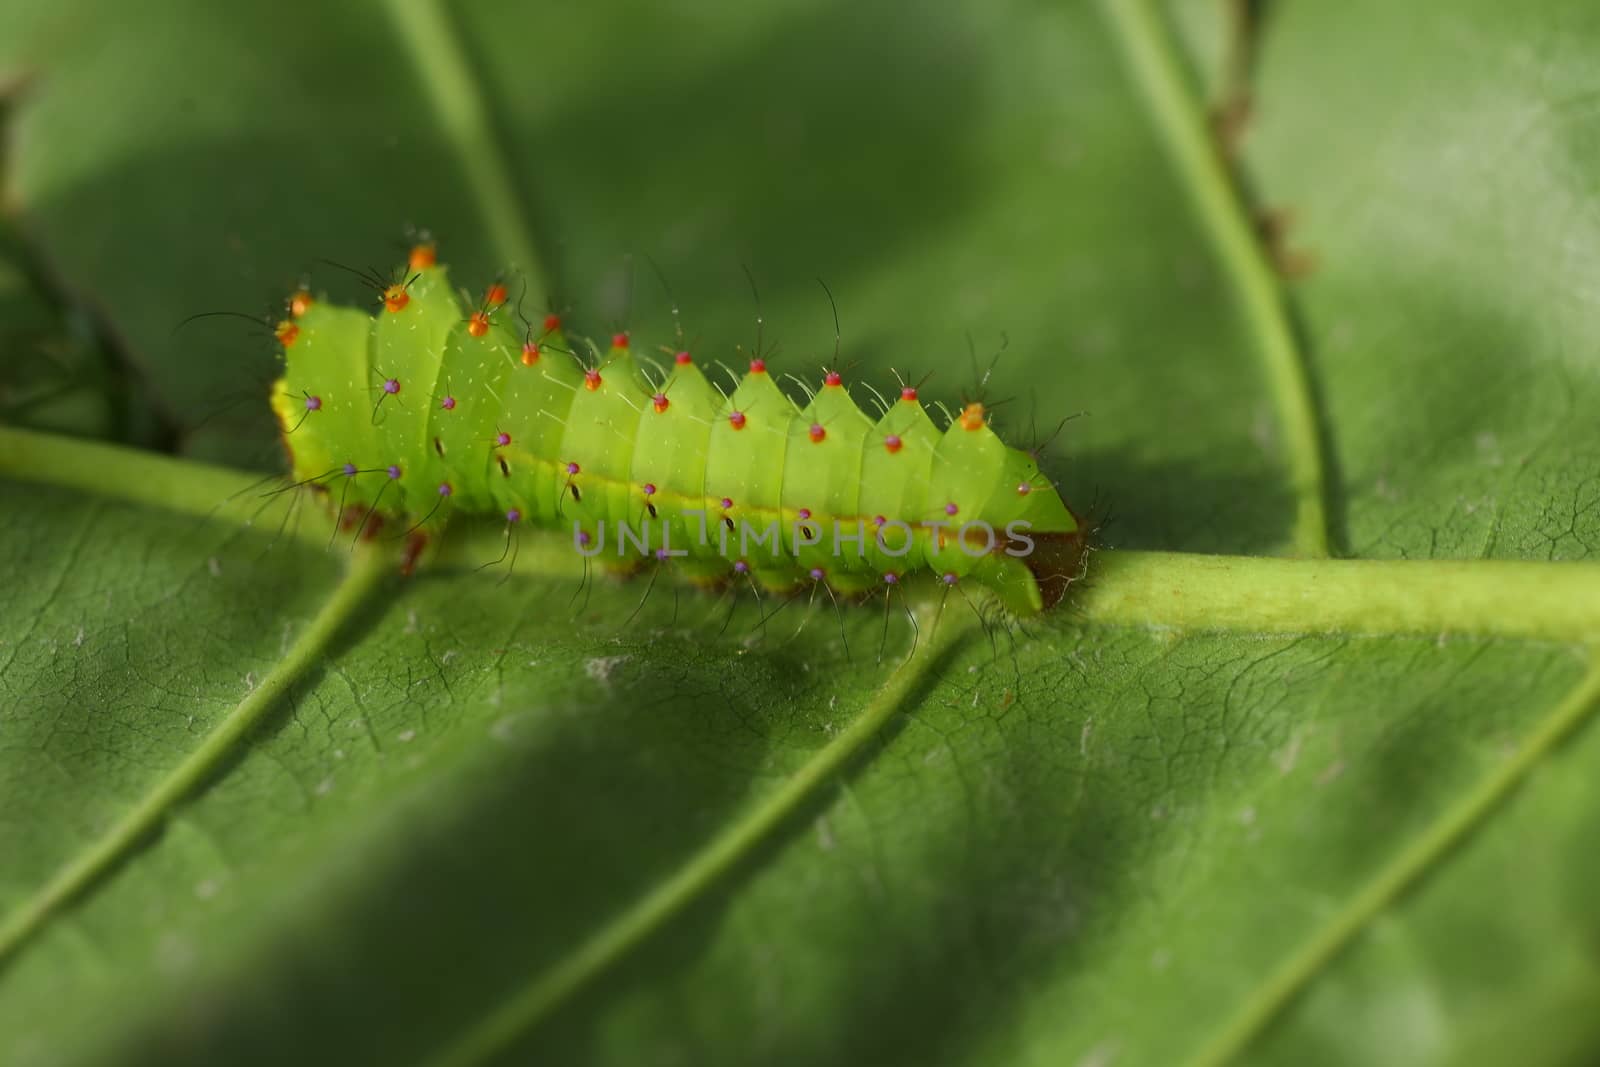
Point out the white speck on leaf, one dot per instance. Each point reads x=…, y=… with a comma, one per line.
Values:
x=207, y=889
x=600, y=667
x=1288, y=755
x=214, y=566
x=324, y=787
x=1102, y=1055
x=407, y=735
x=175, y=954
x=1334, y=770
x=1264, y=431
x=77, y=642
x=250, y=682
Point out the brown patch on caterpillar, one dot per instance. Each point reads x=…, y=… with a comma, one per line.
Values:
x=1056, y=561
x=416, y=542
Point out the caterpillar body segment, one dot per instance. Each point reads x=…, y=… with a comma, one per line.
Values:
x=429, y=406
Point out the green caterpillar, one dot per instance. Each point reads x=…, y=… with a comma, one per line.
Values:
x=427, y=407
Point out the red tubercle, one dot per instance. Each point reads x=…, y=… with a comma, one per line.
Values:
x=758, y=366
x=660, y=403
x=502, y=439
x=909, y=394
x=736, y=420
x=619, y=340
x=591, y=380
x=833, y=380
x=893, y=443
x=478, y=324
x=683, y=359
x=530, y=353
x=552, y=323
x=817, y=432
x=496, y=295
x=1023, y=488
x=423, y=256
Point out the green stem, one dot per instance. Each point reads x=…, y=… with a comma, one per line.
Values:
x=463, y=111
x=1181, y=591
x=116, y=844
x=1498, y=598
x=1181, y=120
x=177, y=485
x=1398, y=875
x=527, y=1006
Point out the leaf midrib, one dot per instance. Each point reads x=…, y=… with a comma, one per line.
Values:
x=1180, y=120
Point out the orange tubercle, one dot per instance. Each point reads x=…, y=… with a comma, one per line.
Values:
x=423, y=256
x=300, y=303
x=972, y=416
x=287, y=332
x=591, y=380
x=496, y=295
x=395, y=298
x=530, y=353
x=478, y=324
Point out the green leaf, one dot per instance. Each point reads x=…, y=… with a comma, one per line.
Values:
x=263, y=800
